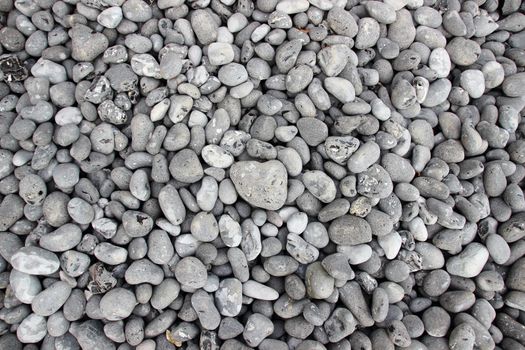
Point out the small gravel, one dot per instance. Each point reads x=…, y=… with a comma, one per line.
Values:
x=262, y=174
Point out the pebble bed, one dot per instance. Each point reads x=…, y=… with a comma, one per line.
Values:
x=262, y=174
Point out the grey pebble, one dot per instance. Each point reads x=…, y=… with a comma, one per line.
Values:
x=90, y=334
x=35, y=261
x=342, y=22
x=62, y=239
x=259, y=291
x=117, y=304
x=25, y=287
x=32, y=329
x=208, y=314
x=144, y=271
x=261, y=184
x=228, y=297
x=51, y=299
x=191, y=272
x=257, y=328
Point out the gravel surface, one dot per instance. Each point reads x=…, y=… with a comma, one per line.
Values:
x=262, y=174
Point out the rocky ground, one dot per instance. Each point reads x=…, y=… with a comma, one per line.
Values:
x=271, y=174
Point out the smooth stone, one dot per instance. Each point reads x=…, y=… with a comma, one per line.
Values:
x=469, y=262
x=90, y=335
x=35, y=261
x=259, y=291
x=32, y=329
x=117, y=304
x=263, y=185
x=320, y=185
x=319, y=284
x=207, y=313
x=350, y=230
x=228, y=297
x=25, y=287
x=51, y=299
x=64, y=238
x=256, y=329
x=171, y=204
x=191, y=272
x=144, y=271
x=220, y=53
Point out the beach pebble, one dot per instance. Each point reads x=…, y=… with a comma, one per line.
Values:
x=319, y=284
x=32, y=329
x=228, y=297
x=35, y=261
x=271, y=174
x=51, y=299
x=117, y=304
x=469, y=262
x=220, y=53
x=257, y=328
x=261, y=184
x=191, y=272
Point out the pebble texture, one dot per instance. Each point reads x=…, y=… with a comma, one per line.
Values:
x=262, y=174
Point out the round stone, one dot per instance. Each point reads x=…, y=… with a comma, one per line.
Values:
x=117, y=304
x=191, y=272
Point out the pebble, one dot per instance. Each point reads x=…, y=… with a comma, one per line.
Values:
x=340, y=325
x=117, y=304
x=473, y=82
x=383, y=12
x=353, y=298
x=513, y=85
x=232, y=74
x=144, y=271
x=515, y=277
x=90, y=334
x=165, y=293
x=203, y=305
x=136, y=10
x=469, y=262
x=171, y=205
x=340, y=88
x=319, y=284
x=110, y=17
x=25, y=287
x=259, y=291
x=375, y=182
x=342, y=22
x=297, y=223
x=333, y=59
x=338, y=267
x=32, y=329
x=350, y=230
x=35, y=261
x=462, y=337
x=86, y=46
x=64, y=238
x=220, y=53
x=51, y=299
x=185, y=166
x=257, y=328
x=110, y=254
x=191, y=272
x=204, y=26
x=228, y=297
x=320, y=185
x=366, y=155
x=263, y=185
x=312, y=130
x=463, y=51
